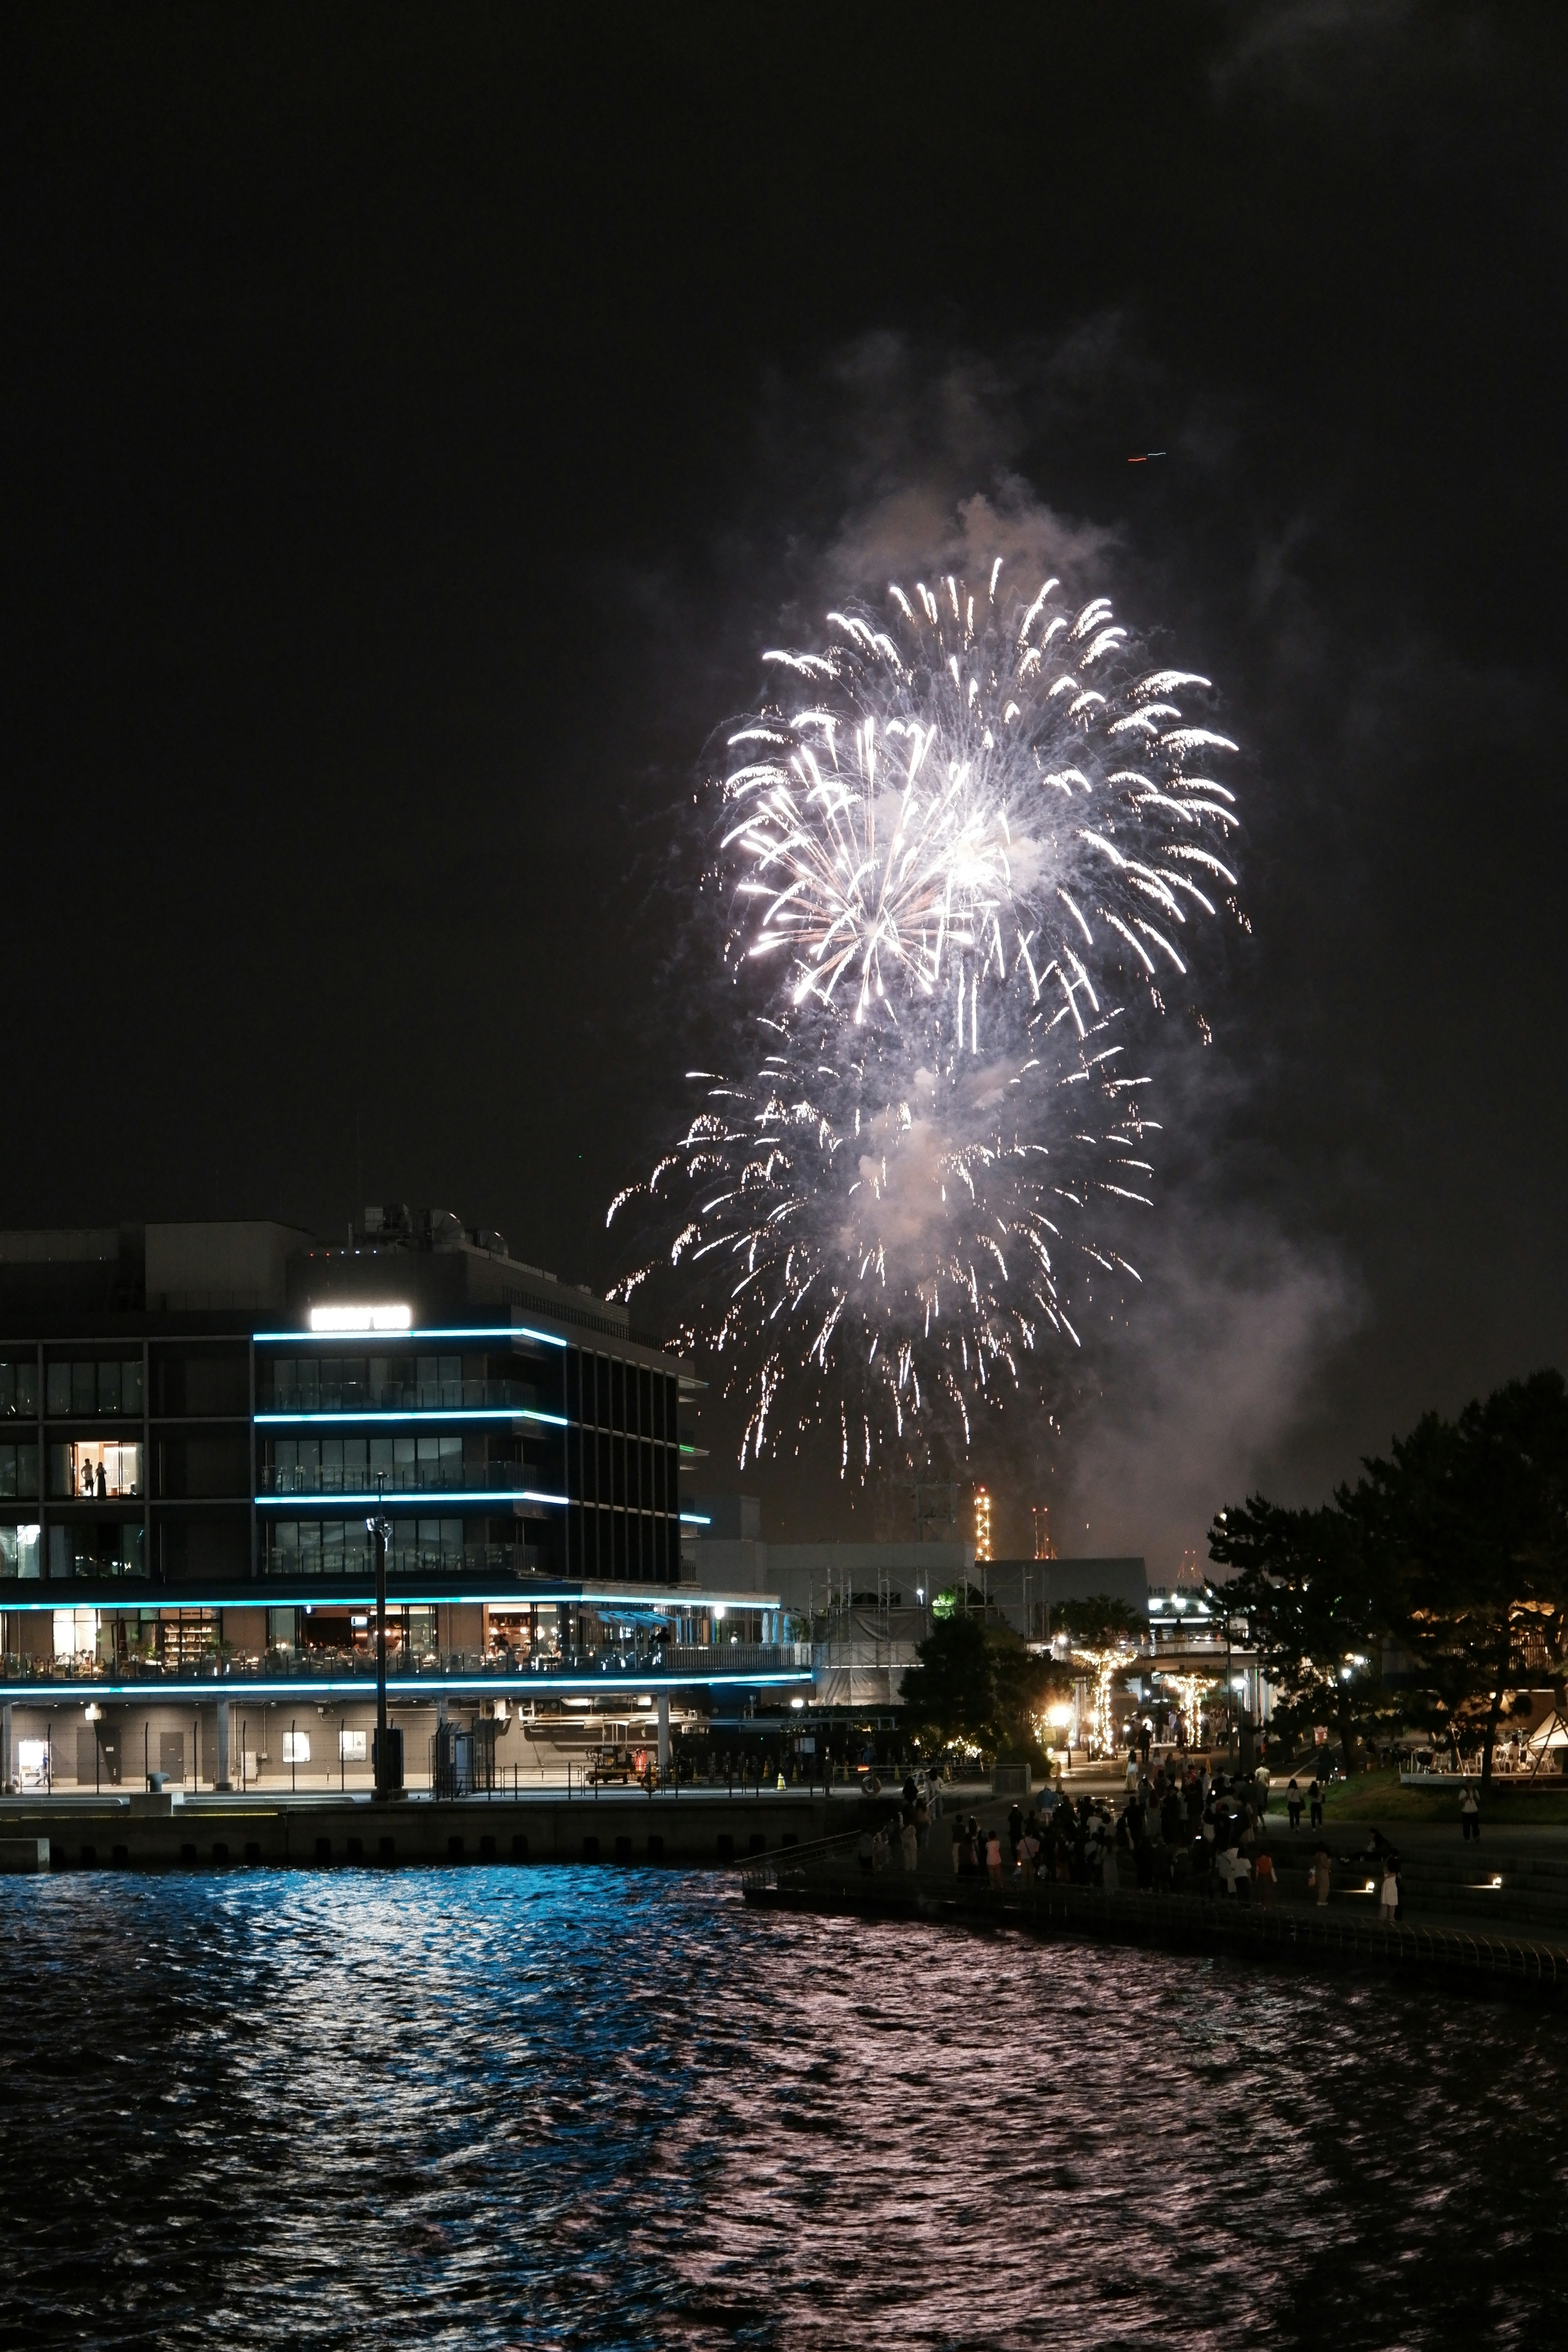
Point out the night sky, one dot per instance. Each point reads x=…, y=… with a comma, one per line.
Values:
x=416, y=419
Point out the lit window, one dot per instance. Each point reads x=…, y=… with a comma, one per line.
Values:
x=33, y=1763
x=76, y=1634
x=297, y=1747
x=350, y=1747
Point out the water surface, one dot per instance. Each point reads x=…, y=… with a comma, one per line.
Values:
x=594, y=2108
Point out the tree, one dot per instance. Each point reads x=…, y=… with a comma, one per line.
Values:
x=1454, y=1550
x=1469, y=1522
x=974, y=1683
x=1314, y=1615
x=1102, y=1634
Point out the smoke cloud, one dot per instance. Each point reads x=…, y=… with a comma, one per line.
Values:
x=1208, y=1377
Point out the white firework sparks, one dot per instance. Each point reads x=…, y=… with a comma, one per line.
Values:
x=958, y=848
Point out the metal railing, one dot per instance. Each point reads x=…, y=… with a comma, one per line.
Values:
x=398, y=1479
x=282, y=1663
x=404, y=1396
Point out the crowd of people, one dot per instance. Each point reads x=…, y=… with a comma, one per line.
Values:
x=1182, y=1830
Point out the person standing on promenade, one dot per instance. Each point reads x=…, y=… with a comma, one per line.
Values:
x=909, y=1841
x=1321, y=1874
x=1315, y=1802
x=957, y=1844
x=1263, y=1878
x=1388, y=1894
x=1469, y=1813
x=993, y=1859
x=1293, y=1805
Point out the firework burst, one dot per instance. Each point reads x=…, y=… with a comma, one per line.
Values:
x=959, y=847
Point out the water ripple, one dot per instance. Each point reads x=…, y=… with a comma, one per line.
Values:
x=592, y=2109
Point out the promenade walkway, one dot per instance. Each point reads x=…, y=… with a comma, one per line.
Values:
x=1500, y=1915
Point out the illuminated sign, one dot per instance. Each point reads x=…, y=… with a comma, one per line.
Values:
x=362, y=1318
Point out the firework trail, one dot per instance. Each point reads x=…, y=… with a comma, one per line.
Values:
x=958, y=848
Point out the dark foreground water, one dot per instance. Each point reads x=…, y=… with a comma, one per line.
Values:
x=594, y=2108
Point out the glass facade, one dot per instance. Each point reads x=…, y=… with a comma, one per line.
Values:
x=622, y=1469
x=507, y=1452
x=556, y=1459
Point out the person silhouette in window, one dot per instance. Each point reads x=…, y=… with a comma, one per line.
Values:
x=103, y=1484
x=86, y=1478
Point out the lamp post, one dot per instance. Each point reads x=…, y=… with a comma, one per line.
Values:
x=388, y=1746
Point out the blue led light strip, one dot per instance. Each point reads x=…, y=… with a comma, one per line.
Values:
x=264, y=1590
x=419, y=1499
x=417, y=1413
x=469, y=1332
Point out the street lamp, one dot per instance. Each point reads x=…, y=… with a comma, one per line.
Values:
x=388, y=1756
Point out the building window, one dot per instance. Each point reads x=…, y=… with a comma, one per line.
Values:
x=352, y=1747
x=318, y=1547
x=33, y=1763
x=19, y=1551
x=95, y=1469
x=297, y=1747
x=18, y=1469
x=434, y=1545
x=19, y=1387
x=113, y=1385
x=359, y=1465
x=297, y=1547
x=76, y=1637
x=92, y=1547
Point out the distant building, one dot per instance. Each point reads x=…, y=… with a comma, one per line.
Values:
x=869, y=1603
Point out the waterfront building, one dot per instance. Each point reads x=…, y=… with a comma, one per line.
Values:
x=198, y=1421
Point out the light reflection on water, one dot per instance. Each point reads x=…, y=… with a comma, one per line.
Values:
x=595, y=2109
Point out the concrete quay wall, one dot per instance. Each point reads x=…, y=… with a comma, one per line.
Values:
x=687, y=1832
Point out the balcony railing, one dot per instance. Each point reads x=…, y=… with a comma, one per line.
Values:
x=407, y=1667
x=405, y=1396
x=402, y=1478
